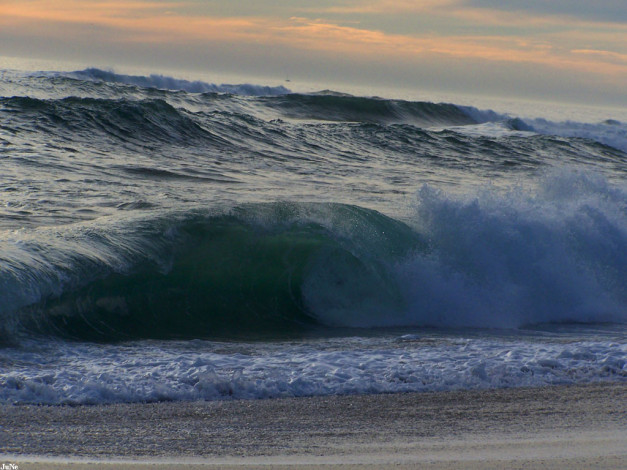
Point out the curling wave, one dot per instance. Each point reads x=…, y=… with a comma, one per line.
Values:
x=268, y=267
x=557, y=254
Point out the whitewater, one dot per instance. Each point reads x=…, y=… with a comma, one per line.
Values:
x=165, y=239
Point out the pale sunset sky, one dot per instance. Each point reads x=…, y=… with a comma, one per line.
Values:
x=563, y=50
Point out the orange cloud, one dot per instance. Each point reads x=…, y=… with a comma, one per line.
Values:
x=76, y=11
x=154, y=23
x=615, y=56
x=134, y=21
x=335, y=38
x=388, y=7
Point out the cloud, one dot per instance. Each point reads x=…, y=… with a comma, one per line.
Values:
x=588, y=10
x=78, y=11
x=156, y=22
x=384, y=7
x=350, y=31
x=614, y=56
x=149, y=22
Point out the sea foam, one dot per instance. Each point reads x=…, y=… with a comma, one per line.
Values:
x=82, y=373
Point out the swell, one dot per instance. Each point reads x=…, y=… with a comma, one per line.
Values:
x=157, y=120
x=266, y=103
x=135, y=122
x=334, y=107
x=320, y=106
x=148, y=115
x=225, y=140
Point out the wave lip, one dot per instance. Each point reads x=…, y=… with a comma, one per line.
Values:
x=163, y=82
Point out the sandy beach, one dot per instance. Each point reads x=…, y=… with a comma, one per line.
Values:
x=552, y=427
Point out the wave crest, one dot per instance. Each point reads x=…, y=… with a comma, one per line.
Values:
x=130, y=121
x=163, y=82
x=338, y=107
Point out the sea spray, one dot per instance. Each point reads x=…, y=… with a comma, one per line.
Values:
x=507, y=259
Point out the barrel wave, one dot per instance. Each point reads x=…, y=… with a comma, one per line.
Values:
x=270, y=268
x=504, y=260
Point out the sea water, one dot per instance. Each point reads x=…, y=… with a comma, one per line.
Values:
x=168, y=239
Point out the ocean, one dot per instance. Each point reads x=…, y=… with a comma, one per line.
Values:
x=173, y=240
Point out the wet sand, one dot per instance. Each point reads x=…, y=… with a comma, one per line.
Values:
x=551, y=427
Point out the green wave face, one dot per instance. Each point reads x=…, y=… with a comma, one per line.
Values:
x=265, y=268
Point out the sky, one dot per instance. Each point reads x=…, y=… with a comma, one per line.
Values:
x=558, y=50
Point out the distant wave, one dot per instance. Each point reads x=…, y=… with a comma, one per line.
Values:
x=339, y=107
x=495, y=260
x=169, y=83
x=325, y=105
x=141, y=121
x=133, y=121
x=609, y=132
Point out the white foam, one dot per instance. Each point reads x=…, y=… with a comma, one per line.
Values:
x=56, y=373
x=553, y=253
x=610, y=132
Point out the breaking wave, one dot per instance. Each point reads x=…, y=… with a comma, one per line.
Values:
x=493, y=260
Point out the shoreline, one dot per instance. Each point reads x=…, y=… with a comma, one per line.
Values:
x=567, y=426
